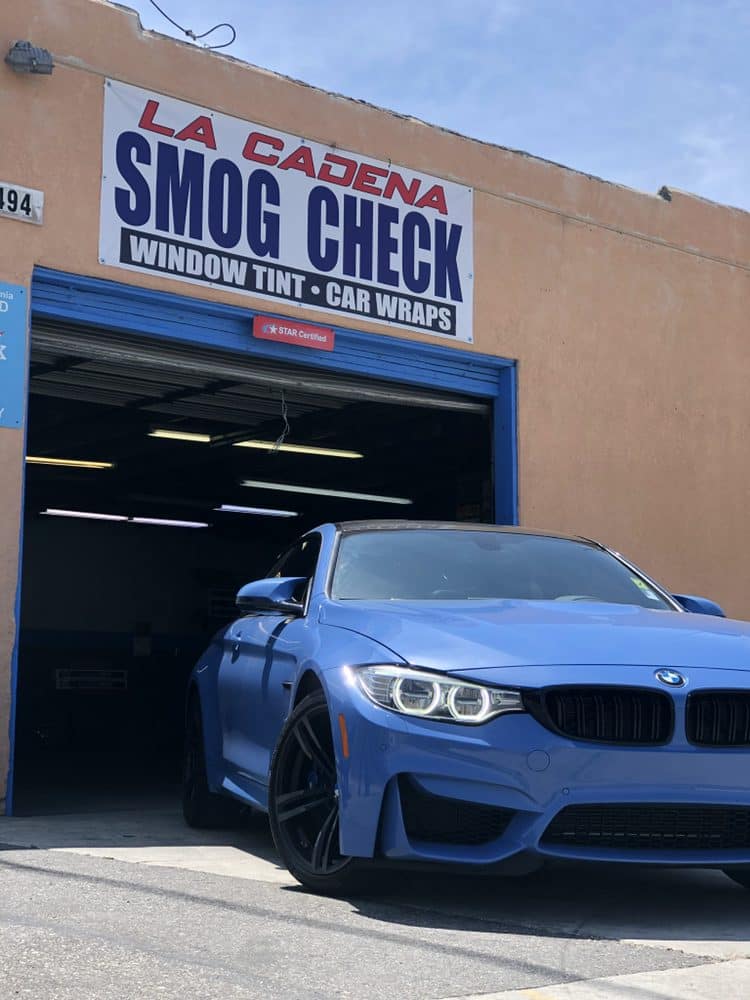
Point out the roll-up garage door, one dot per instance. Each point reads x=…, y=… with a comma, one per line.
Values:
x=68, y=360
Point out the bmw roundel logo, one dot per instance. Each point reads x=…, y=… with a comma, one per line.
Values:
x=671, y=678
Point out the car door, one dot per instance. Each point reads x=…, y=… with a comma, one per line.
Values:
x=256, y=674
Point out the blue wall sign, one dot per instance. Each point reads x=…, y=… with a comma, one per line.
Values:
x=13, y=341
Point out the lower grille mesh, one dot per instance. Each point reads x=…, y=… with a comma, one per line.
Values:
x=439, y=820
x=647, y=827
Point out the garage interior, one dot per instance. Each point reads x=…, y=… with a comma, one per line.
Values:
x=114, y=612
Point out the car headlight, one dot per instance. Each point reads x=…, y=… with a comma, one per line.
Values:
x=435, y=696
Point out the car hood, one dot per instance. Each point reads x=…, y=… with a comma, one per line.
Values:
x=479, y=635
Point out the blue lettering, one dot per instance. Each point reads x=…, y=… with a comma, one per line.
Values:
x=225, y=203
x=387, y=245
x=177, y=189
x=357, y=236
x=262, y=225
x=323, y=254
x=416, y=279
x=446, y=260
x=133, y=204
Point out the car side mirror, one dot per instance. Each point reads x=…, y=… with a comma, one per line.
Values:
x=699, y=605
x=276, y=594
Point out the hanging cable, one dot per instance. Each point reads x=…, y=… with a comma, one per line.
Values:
x=286, y=428
x=192, y=34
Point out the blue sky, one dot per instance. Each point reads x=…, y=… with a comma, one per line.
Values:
x=642, y=92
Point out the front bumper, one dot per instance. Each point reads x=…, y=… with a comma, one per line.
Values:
x=514, y=764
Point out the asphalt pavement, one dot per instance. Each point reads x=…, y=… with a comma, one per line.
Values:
x=131, y=904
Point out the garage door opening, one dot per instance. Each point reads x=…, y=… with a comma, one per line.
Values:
x=133, y=556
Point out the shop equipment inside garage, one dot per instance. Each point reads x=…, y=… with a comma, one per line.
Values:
x=114, y=613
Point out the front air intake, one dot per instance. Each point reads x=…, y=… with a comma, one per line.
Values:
x=436, y=819
x=651, y=827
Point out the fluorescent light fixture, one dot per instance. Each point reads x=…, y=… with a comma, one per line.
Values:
x=90, y=515
x=299, y=449
x=167, y=522
x=57, y=512
x=180, y=435
x=68, y=463
x=231, y=508
x=318, y=491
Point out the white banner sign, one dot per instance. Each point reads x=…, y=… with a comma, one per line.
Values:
x=206, y=198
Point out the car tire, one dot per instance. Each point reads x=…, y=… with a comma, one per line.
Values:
x=304, y=804
x=739, y=875
x=201, y=807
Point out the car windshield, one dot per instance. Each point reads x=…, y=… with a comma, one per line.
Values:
x=425, y=564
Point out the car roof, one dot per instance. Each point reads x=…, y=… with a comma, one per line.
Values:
x=385, y=524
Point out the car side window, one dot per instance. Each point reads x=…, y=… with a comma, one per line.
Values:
x=301, y=560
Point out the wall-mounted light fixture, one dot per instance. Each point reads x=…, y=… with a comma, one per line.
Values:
x=23, y=57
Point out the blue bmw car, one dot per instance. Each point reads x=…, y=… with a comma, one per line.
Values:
x=472, y=695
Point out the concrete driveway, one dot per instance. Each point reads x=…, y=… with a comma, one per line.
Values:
x=132, y=903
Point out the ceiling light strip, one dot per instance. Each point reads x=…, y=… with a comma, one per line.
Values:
x=59, y=512
x=167, y=522
x=68, y=463
x=299, y=449
x=287, y=446
x=319, y=491
x=230, y=508
x=170, y=435
x=94, y=516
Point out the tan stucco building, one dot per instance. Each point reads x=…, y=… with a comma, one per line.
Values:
x=613, y=322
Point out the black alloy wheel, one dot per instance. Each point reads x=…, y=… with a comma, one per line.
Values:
x=201, y=807
x=304, y=803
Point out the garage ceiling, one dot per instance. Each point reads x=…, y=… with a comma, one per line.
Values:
x=96, y=396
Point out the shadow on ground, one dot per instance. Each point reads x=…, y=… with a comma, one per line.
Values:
x=635, y=903
x=624, y=902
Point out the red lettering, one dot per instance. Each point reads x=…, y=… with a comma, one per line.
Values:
x=250, y=152
x=366, y=179
x=326, y=174
x=147, y=120
x=397, y=183
x=434, y=198
x=300, y=159
x=201, y=130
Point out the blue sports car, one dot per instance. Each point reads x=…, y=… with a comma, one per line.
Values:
x=472, y=695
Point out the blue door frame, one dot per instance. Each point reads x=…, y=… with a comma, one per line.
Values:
x=128, y=309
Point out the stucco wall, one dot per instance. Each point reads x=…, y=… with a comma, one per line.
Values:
x=626, y=312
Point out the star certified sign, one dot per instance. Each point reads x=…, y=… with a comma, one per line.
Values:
x=671, y=678
x=320, y=338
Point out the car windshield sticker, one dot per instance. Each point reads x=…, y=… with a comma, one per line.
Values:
x=642, y=585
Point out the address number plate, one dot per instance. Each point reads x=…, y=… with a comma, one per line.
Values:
x=24, y=204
